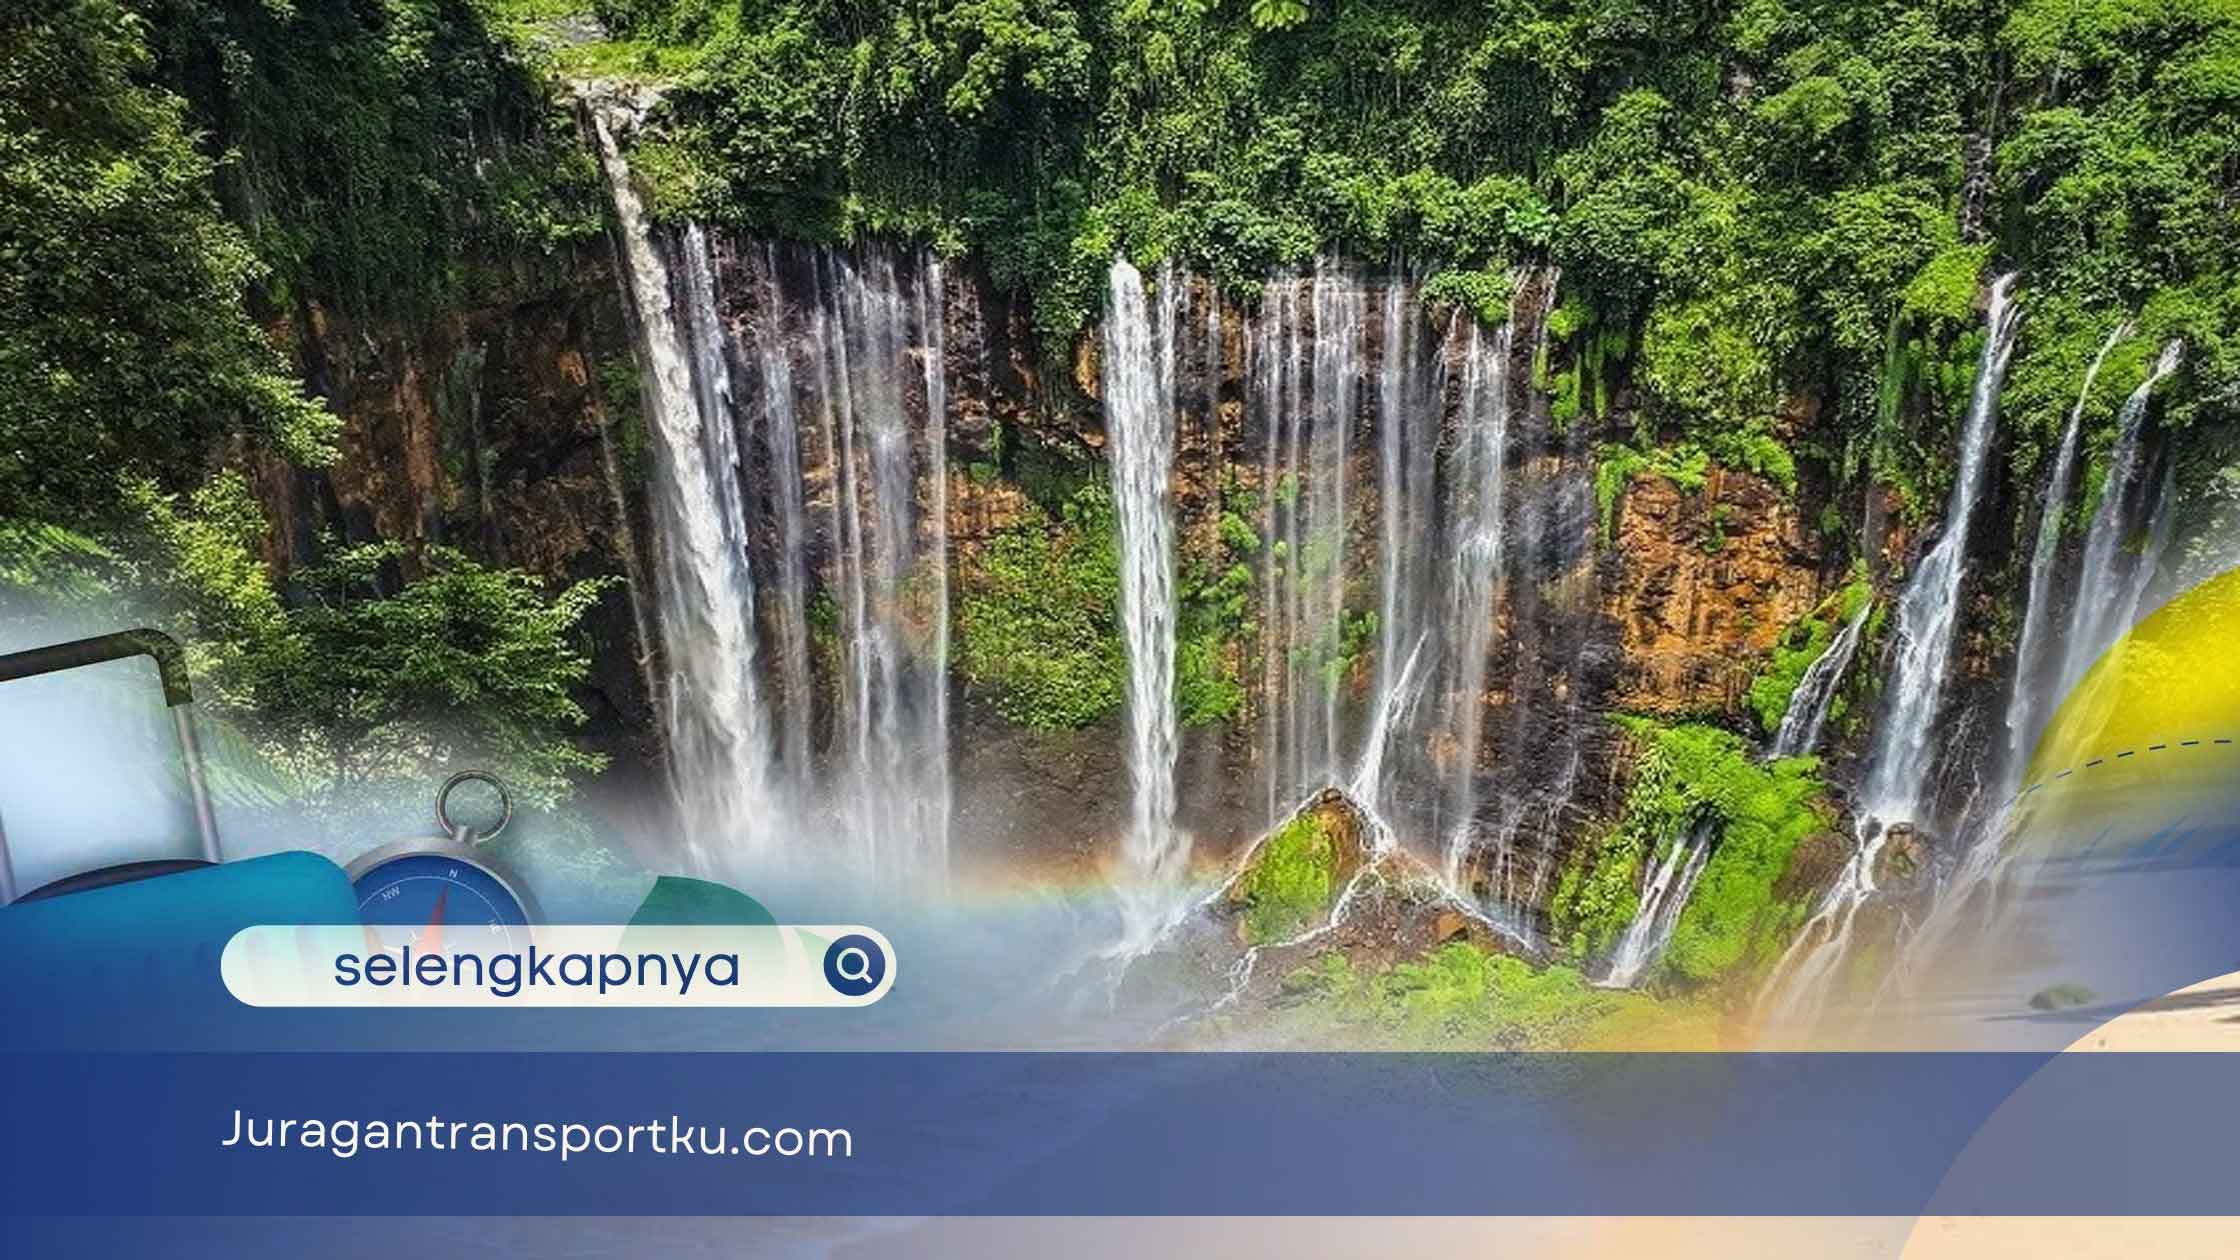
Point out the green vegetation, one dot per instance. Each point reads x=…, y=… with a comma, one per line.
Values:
x=1289, y=881
x=1800, y=645
x=1485, y=292
x=124, y=346
x=179, y=181
x=375, y=151
x=1617, y=464
x=1747, y=198
x=1206, y=687
x=1691, y=776
x=1456, y=995
x=1771, y=221
x=1599, y=891
x=1751, y=448
x=388, y=658
x=1038, y=616
x=486, y=679
x=1215, y=598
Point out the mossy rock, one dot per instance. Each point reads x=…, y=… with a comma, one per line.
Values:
x=1295, y=873
x=2062, y=997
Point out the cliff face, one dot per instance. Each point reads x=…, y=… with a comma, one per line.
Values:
x=510, y=430
x=1701, y=586
x=506, y=429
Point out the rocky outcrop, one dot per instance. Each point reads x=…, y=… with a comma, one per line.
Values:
x=1378, y=902
x=1327, y=880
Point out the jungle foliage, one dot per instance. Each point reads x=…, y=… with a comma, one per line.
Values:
x=124, y=344
x=1038, y=621
x=1744, y=196
x=180, y=180
x=1799, y=646
x=1686, y=777
x=1749, y=200
x=381, y=660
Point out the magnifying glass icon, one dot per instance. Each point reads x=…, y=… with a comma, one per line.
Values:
x=854, y=965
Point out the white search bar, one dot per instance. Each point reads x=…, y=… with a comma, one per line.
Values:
x=595, y=965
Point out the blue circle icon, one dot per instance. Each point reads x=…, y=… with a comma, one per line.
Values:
x=854, y=965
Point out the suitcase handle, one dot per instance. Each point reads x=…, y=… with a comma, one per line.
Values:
x=178, y=696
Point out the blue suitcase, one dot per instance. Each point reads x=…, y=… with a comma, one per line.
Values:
x=121, y=938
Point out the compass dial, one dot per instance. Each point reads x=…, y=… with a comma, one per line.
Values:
x=434, y=900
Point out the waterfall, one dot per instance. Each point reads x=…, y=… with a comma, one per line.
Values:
x=2030, y=649
x=1807, y=713
x=1139, y=412
x=1406, y=623
x=1929, y=611
x=720, y=755
x=1407, y=423
x=1559, y=519
x=1479, y=473
x=1306, y=376
x=1438, y=500
x=880, y=341
x=2106, y=603
x=1896, y=786
x=781, y=447
x=1321, y=558
x=1663, y=896
x=1395, y=701
x=2108, y=587
x=796, y=404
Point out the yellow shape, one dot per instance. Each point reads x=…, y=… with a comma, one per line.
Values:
x=2158, y=713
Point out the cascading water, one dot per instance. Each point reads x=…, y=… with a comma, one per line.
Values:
x=2107, y=601
x=880, y=340
x=1398, y=698
x=2031, y=648
x=1307, y=369
x=2159, y=536
x=855, y=400
x=1663, y=896
x=1139, y=411
x=1898, y=771
x=781, y=432
x=716, y=722
x=1478, y=471
x=1552, y=646
x=1929, y=611
x=1315, y=346
x=2109, y=586
x=1320, y=559
x=1405, y=492
x=1336, y=353
x=1807, y=714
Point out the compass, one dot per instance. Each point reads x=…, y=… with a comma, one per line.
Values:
x=434, y=893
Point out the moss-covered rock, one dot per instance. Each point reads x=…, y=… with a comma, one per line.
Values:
x=1459, y=994
x=1296, y=871
x=1741, y=911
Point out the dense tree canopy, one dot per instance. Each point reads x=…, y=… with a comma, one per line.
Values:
x=1745, y=198
x=124, y=344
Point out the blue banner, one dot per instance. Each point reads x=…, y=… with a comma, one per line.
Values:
x=1093, y=1133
